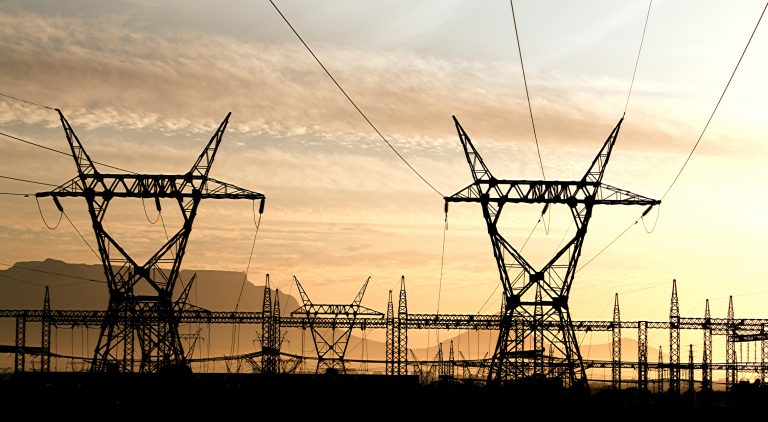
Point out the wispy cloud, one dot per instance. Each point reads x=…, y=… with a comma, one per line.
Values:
x=110, y=74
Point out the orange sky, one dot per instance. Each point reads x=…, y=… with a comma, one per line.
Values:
x=145, y=86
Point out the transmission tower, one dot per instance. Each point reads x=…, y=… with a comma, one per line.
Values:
x=391, y=338
x=763, y=353
x=731, y=372
x=706, y=360
x=660, y=371
x=674, y=341
x=691, y=376
x=616, y=345
x=642, y=356
x=151, y=315
x=270, y=331
x=401, y=355
x=521, y=281
x=331, y=347
x=45, y=335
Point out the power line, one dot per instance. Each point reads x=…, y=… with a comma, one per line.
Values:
x=351, y=101
x=608, y=245
x=16, y=194
x=58, y=151
x=27, y=101
x=525, y=82
x=711, y=116
x=718, y=103
x=27, y=181
x=637, y=60
x=81, y=235
x=21, y=281
x=521, y=250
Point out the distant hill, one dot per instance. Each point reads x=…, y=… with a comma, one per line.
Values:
x=22, y=287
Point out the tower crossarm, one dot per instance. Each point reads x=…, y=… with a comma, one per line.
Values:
x=501, y=191
x=150, y=186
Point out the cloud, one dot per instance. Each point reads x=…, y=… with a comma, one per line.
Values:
x=110, y=74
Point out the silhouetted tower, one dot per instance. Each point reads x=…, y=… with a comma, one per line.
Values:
x=21, y=343
x=616, y=345
x=391, y=338
x=706, y=360
x=660, y=372
x=274, y=336
x=642, y=356
x=538, y=334
x=442, y=366
x=45, y=335
x=674, y=341
x=521, y=281
x=731, y=374
x=270, y=332
x=401, y=358
x=331, y=347
x=151, y=315
x=763, y=353
x=451, y=362
x=690, y=369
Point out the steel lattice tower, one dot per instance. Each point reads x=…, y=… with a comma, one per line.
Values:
x=674, y=341
x=616, y=345
x=45, y=335
x=660, y=371
x=690, y=369
x=550, y=315
x=149, y=316
x=763, y=354
x=332, y=348
x=401, y=362
x=706, y=360
x=391, y=338
x=21, y=341
x=642, y=356
x=731, y=374
x=270, y=331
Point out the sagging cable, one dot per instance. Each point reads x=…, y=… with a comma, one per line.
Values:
x=157, y=206
x=61, y=213
x=656, y=221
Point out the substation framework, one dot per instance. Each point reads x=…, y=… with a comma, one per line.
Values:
x=674, y=376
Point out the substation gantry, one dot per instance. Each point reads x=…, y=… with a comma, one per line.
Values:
x=273, y=360
x=331, y=326
x=547, y=346
x=141, y=304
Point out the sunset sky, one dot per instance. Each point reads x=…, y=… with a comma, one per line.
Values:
x=145, y=85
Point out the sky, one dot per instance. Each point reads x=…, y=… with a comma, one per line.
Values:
x=145, y=85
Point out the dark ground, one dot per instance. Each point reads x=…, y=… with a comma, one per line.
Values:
x=84, y=396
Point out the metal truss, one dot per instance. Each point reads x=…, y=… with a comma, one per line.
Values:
x=674, y=341
x=542, y=294
x=616, y=345
x=126, y=319
x=331, y=345
x=746, y=329
x=270, y=331
x=734, y=331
